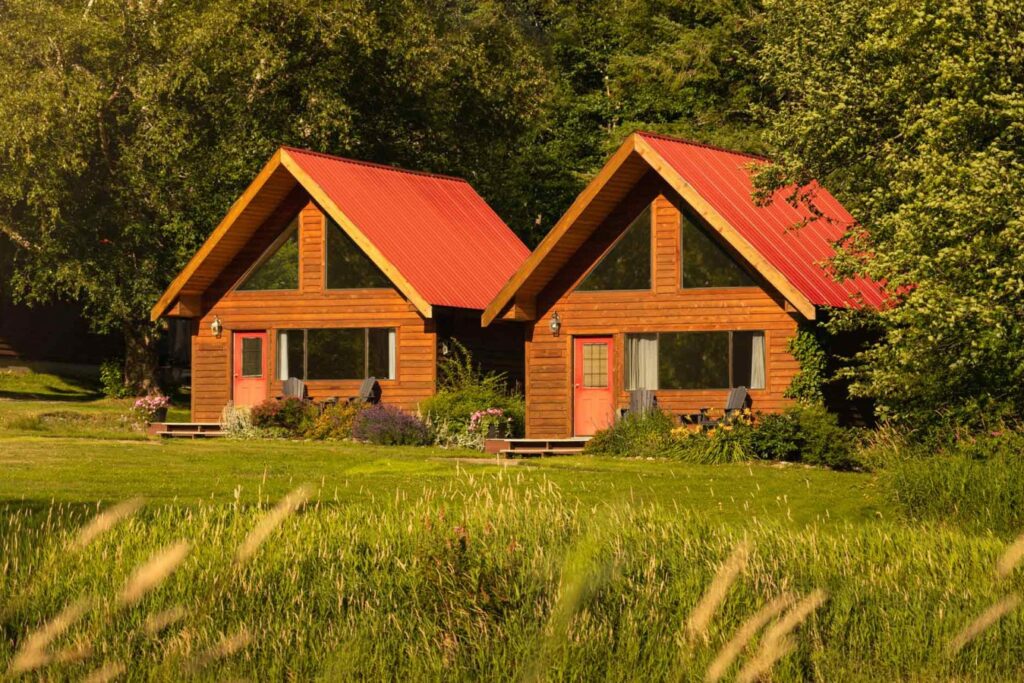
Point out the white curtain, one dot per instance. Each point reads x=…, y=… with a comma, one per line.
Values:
x=282, y=355
x=757, y=361
x=641, y=361
x=391, y=354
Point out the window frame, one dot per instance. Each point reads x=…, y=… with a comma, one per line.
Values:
x=686, y=214
x=291, y=228
x=392, y=353
x=729, y=359
x=323, y=257
x=611, y=247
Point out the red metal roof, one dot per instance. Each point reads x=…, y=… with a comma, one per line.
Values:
x=723, y=179
x=436, y=230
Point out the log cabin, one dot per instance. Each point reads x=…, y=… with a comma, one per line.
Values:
x=332, y=270
x=665, y=275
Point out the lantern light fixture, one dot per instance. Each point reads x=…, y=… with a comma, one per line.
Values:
x=216, y=326
x=556, y=324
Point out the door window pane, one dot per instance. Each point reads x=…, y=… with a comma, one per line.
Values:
x=628, y=264
x=279, y=269
x=252, y=357
x=693, y=360
x=335, y=354
x=348, y=267
x=705, y=262
x=595, y=365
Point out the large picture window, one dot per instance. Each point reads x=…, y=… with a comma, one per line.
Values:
x=627, y=265
x=695, y=360
x=348, y=267
x=336, y=353
x=278, y=268
x=705, y=262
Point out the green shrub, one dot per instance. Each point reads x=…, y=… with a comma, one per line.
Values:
x=635, y=435
x=335, y=422
x=112, y=379
x=805, y=433
x=290, y=415
x=463, y=391
x=724, y=443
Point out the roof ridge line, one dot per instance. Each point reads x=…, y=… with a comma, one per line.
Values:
x=706, y=145
x=373, y=164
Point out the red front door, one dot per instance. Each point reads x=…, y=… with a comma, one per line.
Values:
x=593, y=404
x=250, y=368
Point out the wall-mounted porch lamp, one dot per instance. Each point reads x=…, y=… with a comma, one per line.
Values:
x=555, y=324
x=216, y=326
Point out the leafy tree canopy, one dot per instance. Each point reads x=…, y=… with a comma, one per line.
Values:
x=913, y=114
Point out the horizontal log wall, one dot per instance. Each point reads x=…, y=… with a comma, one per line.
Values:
x=309, y=307
x=666, y=308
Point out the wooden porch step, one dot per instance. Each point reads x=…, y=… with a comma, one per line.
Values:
x=186, y=430
x=189, y=435
x=512, y=448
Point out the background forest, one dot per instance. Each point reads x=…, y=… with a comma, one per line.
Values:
x=127, y=127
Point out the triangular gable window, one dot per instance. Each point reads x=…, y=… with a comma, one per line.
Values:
x=348, y=267
x=705, y=262
x=279, y=266
x=627, y=265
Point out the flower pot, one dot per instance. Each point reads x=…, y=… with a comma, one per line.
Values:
x=159, y=415
x=495, y=431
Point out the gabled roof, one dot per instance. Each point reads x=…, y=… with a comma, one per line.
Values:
x=432, y=235
x=787, y=245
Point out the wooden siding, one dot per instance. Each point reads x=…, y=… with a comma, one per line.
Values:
x=665, y=308
x=309, y=307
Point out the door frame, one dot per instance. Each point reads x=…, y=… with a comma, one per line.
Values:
x=236, y=337
x=577, y=340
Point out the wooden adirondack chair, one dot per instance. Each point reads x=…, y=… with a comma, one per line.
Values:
x=737, y=400
x=369, y=392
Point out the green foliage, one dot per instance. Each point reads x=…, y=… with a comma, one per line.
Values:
x=725, y=443
x=112, y=379
x=335, y=422
x=806, y=385
x=910, y=113
x=977, y=484
x=809, y=434
x=464, y=390
x=643, y=434
x=292, y=416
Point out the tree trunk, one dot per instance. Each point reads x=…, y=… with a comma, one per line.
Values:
x=140, y=357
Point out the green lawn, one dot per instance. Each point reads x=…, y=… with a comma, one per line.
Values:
x=40, y=469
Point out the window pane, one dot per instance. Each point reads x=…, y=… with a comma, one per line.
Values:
x=381, y=350
x=705, y=262
x=252, y=357
x=290, y=354
x=595, y=365
x=335, y=354
x=748, y=359
x=628, y=264
x=693, y=360
x=281, y=269
x=347, y=266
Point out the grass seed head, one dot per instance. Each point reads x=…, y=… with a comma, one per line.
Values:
x=744, y=634
x=108, y=672
x=700, y=618
x=987, y=618
x=270, y=521
x=153, y=573
x=155, y=623
x=1011, y=558
x=35, y=651
x=105, y=521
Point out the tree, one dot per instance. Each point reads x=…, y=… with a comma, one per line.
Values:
x=913, y=114
x=128, y=127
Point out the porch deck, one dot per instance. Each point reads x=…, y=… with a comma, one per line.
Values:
x=186, y=430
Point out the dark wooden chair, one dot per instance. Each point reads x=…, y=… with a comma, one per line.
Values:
x=738, y=399
x=642, y=401
x=293, y=387
x=369, y=392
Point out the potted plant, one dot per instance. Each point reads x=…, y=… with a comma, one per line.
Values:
x=152, y=408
